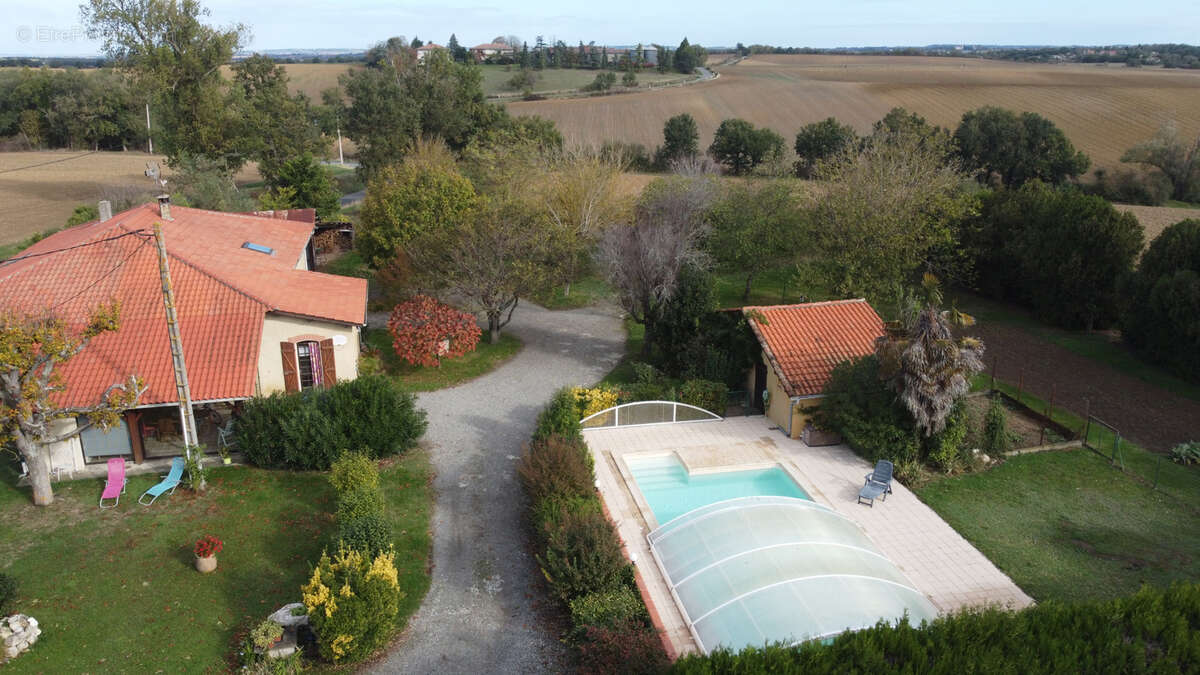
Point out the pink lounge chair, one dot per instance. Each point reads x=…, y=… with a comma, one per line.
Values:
x=114, y=485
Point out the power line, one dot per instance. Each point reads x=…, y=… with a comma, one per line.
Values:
x=138, y=233
x=53, y=161
x=102, y=277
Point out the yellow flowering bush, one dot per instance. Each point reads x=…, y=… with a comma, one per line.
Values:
x=352, y=600
x=592, y=401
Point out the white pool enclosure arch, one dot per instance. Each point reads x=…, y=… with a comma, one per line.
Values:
x=647, y=412
x=758, y=570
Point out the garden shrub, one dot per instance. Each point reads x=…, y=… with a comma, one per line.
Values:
x=594, y=400
x=353, y=471
x=947, y=446
x=307, y=430
x=583, y=555
x=560, y=416
x=997, y=439
x=706, y=394
x=358, y=503
x=609, y=609
x=547, y=513
x=632, y=648
x=371, y=533
x=352, y=600
x=8, y=593
x=1153, y=631
x=557, y=465
x=1184, y=453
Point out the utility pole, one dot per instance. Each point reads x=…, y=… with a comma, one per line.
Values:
x=149, y=139
x=182, y=388
x=341, y=158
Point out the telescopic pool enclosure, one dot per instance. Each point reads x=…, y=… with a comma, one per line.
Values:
x=758, y=570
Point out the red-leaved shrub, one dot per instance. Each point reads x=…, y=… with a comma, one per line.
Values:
x=632, y=648
x=425, y=331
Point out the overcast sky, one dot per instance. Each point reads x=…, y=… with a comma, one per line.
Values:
x=52, y=27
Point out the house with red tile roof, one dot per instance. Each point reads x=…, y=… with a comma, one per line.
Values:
x=253, y=318
x=426, y=49
x=801, y=345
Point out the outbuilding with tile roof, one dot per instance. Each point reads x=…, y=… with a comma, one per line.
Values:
x=801, y=345
x=253, y=319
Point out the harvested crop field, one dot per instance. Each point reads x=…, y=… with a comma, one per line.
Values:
x=1103, y=109
x=39, y=190
x=1155, y=219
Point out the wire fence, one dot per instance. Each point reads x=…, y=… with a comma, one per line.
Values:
x=1155, y=470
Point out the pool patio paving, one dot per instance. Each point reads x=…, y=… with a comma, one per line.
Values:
x=951, y=572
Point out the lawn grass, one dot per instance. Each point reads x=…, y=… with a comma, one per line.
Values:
x=1095, y=346
x=1066, y=526
x=452, y=372
x=349, y=264
x=622, y=373
x=773, y=287
x=584, y=292
x=116, y=590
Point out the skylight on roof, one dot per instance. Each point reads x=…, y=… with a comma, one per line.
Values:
x=259, y=248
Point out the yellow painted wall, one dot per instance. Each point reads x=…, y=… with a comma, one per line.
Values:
x=279, y=328
x=780, y=407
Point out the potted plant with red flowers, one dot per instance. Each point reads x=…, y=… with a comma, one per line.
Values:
x=206, y=551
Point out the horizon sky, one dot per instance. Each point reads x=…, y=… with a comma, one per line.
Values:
x=53, y=27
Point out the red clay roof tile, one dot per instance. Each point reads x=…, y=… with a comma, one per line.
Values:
x=805, y=342
x=222, y=293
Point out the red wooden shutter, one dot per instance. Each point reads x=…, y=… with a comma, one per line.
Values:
x=328, y=367
x=291, y=376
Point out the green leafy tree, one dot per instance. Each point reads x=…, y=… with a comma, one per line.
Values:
x=1175, y=157
x=754, y=228
x=423, y=194
x=32, y=353
x=629, y=79
x=394, y=101
x=84, y=213
x=740, y=147
x=1016, y=148
x=1161, y=319
x=681, y=138
x=208, y=183
x=1057, y=251
x=310, y=186
x=820, y=140
x=680, y=322
x=177, y=58
x=890, y=210
x=581, y=192
x=502, y=253
x=276, y=126
x=685, y=58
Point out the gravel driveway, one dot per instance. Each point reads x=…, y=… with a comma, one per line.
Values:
x=482, y=613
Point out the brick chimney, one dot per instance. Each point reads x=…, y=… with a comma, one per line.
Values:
x=164, y=207
x=105, y=210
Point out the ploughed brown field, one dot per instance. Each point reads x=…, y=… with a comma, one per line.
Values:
x=1103, y=109
x=39, y=190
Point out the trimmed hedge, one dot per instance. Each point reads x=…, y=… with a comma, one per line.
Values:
x=360, y=509
x=309, y=430
x=1152, y=631
x=579, y=549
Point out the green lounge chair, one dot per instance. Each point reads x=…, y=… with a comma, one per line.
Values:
x=168, y=483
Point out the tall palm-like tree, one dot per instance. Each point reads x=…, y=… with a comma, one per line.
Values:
x=930, y=368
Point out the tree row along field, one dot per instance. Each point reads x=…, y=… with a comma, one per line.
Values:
x=1103, y=109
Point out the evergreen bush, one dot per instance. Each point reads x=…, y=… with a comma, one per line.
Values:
x=631, y=649
x=706, y=394
x=560, y=416
x=352, y=599
x=1153, y=631
x=557, y=466
x=353, y=471
x=583, y=555
x=997, y=439
x=609, y=609
x=308, y=430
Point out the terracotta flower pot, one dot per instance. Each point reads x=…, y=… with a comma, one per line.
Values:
x=206, y=565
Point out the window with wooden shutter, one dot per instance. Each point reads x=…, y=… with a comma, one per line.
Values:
x=291, y=378
x=328, y=367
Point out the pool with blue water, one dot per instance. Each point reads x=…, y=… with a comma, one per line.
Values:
x=671, y=491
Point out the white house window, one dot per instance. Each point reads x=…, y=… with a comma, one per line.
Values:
x=308, y=358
